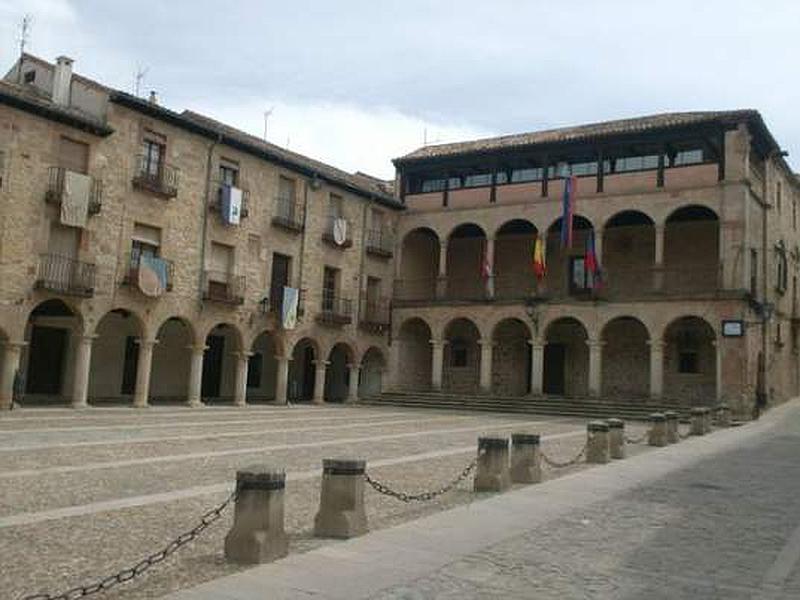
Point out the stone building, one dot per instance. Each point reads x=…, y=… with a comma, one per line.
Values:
x=693, y=219
x=149, y=256
x=144, y=255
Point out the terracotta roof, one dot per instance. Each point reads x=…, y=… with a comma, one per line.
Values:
x=29, y=99
x=580, y=133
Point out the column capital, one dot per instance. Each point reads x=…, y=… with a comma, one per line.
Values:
x=200, y=348
x=537, y=344
x=321, y=364
x=656, y=345
x=593, y=343
x=280, y=358
x=243, y=355
x=486, y=344
x=13, y=344
x=147, y=344
x=353, y=366
x=438, y=343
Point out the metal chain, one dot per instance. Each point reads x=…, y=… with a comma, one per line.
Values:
x=639, y=440
x=143, y=565
x=560, y=465
x=686, y=435
x=384, y=489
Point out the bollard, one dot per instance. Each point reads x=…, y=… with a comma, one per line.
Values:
x=525, y=458
x=698, y=421
x=672, y=427
x=492, y=474
x=597, y=442
x=723, y=415
x=616, y=438
x=257, y=534
x=341, y=502
x=657, y=436
x=707, y=419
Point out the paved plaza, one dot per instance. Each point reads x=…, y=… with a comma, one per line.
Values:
x=86, y=493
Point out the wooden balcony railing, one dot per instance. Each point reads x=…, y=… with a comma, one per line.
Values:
x=65, y=275
x=380, y=242
x=329, y=237
x=288, y=214
x=335, y=310
x=55, y=190
x=220, y=286
x=160, y=178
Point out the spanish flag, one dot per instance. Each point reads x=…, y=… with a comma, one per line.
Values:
x=539, y=264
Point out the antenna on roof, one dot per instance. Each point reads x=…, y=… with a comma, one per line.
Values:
x=138, y=77
x=267, y=115
x=24, y=36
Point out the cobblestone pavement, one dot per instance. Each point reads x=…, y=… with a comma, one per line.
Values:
x=83, y=494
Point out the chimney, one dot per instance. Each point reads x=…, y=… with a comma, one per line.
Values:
x=62, y=80
x=153, y=97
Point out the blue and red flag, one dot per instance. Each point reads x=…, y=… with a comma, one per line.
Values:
x=568, y=211
x=591, y=263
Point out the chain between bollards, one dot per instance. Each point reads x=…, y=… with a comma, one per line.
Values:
x=634, y=441
x=561, y=465
x=384, y=489
x=143, y=565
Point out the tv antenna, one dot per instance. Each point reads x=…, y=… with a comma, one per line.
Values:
x=138, y=77
x=267, y=115
x=24, y=35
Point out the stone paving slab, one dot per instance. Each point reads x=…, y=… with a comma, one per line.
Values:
x=708, y=518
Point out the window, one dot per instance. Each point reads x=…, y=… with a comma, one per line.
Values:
x=286, y=189
x=585, y=168
x=152, y=157
x=523, y=175
x=73, y=155
x=687, y=157
x=146, y=241
x=29, y=77
x=636, y=163
x=453, y=183
x=501, y=177
x=781, y=268
x=754, y=272
x=255, y=366
x=459, y=356
x=779, y=195
x=335, y=206
x=579, y=276
x=229, y=175
x=778, y=334
x=432, y=185
x=330, y=285
x=376, y=219
x=478, y=180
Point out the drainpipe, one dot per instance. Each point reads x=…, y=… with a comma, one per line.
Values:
x=361, y=259
x=203, y=241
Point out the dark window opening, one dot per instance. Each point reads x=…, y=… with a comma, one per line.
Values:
x=687, y=362
x=459, y=355
x=152, y=157
x=29, y=77
x=228, y=175
x=254, y=368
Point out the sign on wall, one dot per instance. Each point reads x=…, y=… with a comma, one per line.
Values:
x=732, y=328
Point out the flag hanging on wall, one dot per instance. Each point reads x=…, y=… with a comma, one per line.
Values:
x=486, y=273
x=539, y=264
x=568, y=210
x=591, y=263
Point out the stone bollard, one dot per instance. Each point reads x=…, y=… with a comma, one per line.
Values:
x=492, y=474
x=673, y=436
x=341, y=503
x=698, y=421
x=723, y=415
x=257, y=534
x=657, y=436
x=707, y=425
x=616, y=438
x=597, y=442
x=525, y=458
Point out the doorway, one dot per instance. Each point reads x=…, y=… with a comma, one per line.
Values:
x=555, y=356
x=212, y=366
x=48, y=346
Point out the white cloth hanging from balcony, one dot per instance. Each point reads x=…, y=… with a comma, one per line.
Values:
x=291, y=297
x=339, y=231
x=231, y=205
x=75, y=199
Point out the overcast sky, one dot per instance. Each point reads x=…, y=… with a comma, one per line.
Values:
x=356, y=83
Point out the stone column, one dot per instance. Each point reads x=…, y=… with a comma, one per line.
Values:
x=437, y=363
x=143, y=370
x=656, y=368
x=194, y=396
x=490, y=259
x=240, y=385
x=395, y=352
x=658, y=260
x=598, y=246
x=441, y=281
x=83, y=362
x=595, y=367
x=12, y=352
x=718, y=373
x=537, y=367
x=319, y=381
x=486, y=366
x=282, y=380
x=352, y=390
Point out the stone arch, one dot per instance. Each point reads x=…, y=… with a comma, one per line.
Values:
x=513, y=268
x=116, y=350
x=566, y=358
x=337, y=374
x=626, y=358
x=691, y=250
x=419, y=264
x=629, y=252
x=373, y=366
x=511, y=357
x=172, y=359
x=690, y=361
x=306, y=354
x=224, y=344
x=466, y=249
x=561, y=261
x=414, y=354
x=262, y=369
x=462, y=356
x=52, y=332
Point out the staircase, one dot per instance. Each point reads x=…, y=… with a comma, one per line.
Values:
x=637, y=410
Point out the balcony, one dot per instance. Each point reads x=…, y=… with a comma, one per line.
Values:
x=289, y=214
x=374, y=316
x=55, y=190
x=273, y=304
x=335, y=310
x=216, y=202
x=131, y=277
x=159, y=179
x=65, y=275
x=329, y=235
x=223, y=287
x=380, y=243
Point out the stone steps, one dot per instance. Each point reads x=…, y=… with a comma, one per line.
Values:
x=557, y=406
